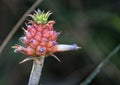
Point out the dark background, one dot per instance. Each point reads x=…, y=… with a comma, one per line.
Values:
x=92, y=24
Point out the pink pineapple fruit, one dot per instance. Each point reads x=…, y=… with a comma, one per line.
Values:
x=40, y=38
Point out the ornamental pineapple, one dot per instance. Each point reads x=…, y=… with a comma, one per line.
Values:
x=40, y=38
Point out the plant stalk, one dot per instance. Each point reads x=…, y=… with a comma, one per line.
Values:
x=100, y=66
x=36, y=71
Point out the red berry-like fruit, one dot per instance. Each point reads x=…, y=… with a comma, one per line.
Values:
x=40, y=38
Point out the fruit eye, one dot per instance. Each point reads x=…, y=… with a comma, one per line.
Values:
x=31, y=41
x=54, y=43
x=41, y=50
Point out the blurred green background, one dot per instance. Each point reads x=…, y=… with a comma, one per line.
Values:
x=92, y=24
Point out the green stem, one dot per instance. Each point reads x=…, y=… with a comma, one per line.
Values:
x=36, y=71
x=98, y=68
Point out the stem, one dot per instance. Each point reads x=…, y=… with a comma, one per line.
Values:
x=36, y=71
x=99, y=67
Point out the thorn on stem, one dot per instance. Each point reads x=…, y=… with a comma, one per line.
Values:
x=55, y=57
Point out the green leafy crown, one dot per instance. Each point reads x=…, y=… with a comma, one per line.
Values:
x=40, y=17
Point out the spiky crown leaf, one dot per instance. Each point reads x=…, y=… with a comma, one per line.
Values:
x=40, y=17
